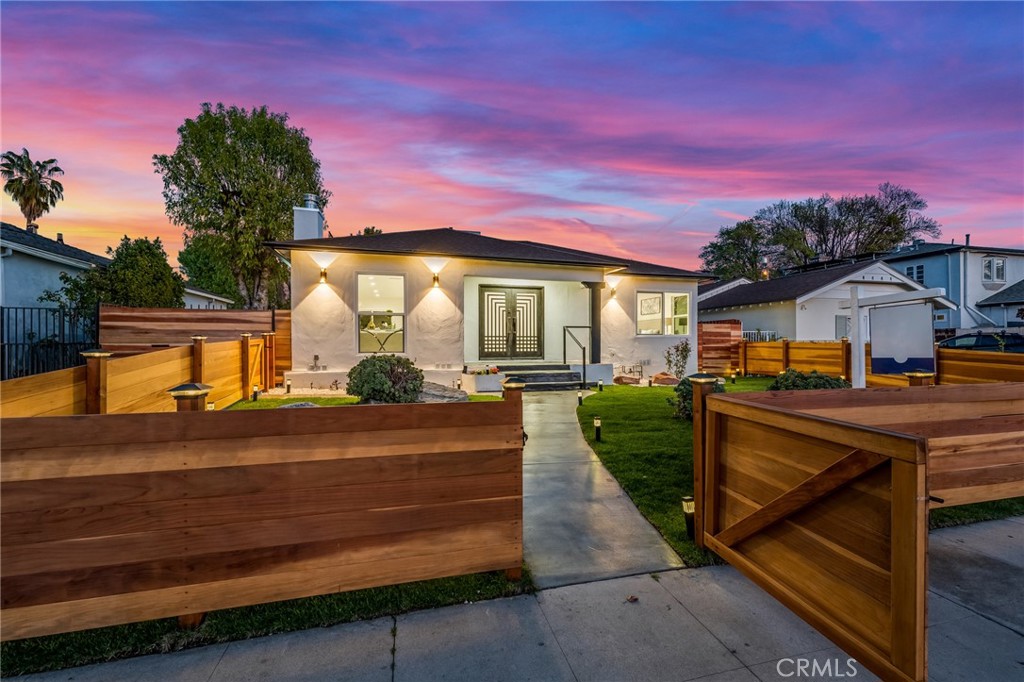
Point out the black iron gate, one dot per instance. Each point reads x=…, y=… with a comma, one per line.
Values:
x=36, y=340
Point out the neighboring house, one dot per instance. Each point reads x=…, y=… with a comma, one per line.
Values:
x=804, y=306
x=969, y=274
x=709, y=289
x=31, y=264
x=1005, y=308
x=452, y=299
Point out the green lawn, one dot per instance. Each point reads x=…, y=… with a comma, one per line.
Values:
x=651, y=455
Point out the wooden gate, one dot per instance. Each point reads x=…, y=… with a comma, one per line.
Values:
x=822, y=497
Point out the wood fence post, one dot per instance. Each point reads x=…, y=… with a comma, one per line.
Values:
x=701, y=385
x=269, y=359
x=512, y=393
x=246, y=370
x=198, y=358
x=96, y=381
x=785, y=353
x=743, y=357
x=190, y=397
x=919, y=378
x=844, y=362
x=936, y=354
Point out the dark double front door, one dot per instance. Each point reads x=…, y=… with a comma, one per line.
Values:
x=511, y=323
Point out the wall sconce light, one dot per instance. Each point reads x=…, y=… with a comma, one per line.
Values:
x=597, y=429
x=437, y=280
x=689, y=510
x=612, y=292
x=323, y=275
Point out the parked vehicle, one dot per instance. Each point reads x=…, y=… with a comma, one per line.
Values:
x=989, y=341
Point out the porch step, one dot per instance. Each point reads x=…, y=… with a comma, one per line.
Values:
x=543, y=377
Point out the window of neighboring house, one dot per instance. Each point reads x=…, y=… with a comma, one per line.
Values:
x=381, y=301
x=993, y=269
x=662, y=313
x=916, y=273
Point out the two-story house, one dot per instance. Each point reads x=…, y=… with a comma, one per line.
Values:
x=971, y=276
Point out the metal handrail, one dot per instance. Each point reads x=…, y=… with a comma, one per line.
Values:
x=567, y=329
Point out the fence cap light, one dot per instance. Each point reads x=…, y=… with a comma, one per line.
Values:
x=919, y=373
x=191, y=390
x=96, y=353
x=702, y=378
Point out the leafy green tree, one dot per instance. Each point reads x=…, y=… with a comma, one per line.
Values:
x=207, y=267
x=790, y=234
x=33, y=185
x=234, y=177
x=138, y=276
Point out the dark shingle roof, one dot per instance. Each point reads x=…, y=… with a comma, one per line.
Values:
x=16, y=235
x=1011, y=294
x=912, y=251
x=785, y=288
x=710, y=287
x=461, y=244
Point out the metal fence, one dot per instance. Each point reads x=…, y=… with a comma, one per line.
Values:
x=760, y=335
x=36, y=340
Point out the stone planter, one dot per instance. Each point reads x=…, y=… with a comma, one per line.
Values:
x=482, y=383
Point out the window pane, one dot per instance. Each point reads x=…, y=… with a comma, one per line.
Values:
x=986, y=273
x=649, y=317
x=1000, y=270
x=678, y=322
x=381, y=313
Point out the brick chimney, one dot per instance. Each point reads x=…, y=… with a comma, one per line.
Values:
x=60, y=237
x=308, y=220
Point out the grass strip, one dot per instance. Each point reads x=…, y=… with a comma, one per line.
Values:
x=55, y=652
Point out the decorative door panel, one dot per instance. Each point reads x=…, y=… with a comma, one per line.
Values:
x=511, y=322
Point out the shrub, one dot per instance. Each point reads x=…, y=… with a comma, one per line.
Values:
x=676, y=357
x=684, y=404
x=385, y=379
x=792, y=380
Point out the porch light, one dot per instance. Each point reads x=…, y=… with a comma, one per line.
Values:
x=437, y=281
x=323, y=275
x=597, y=429
x=689, y=511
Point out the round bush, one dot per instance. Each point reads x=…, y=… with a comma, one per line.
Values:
x=385, y=379
x=684, y=405
x=792, y=380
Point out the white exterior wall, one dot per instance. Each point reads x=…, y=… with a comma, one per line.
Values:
x=199, y=301
x=621, y=345
x=779, y=316
x=975, y=289
x=815, y=318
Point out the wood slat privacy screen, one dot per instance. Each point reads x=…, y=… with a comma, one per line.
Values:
x=119, y=518
x=821, y=497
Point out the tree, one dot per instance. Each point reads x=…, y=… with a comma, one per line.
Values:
x=207, y=268
x=33, y=185
x=137, y=276
x=786, y=234
x=234, y=177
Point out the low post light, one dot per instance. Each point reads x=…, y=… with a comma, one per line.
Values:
x=689, y=510
x=579, y=397
x=255, y=392
x=287, y=385
x=597, y=429
x=600, y=385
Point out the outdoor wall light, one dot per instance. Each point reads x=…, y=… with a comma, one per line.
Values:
x=689, y=511
x=437, y=280
x=323, y=275
x=612, y=292
x=597, y=429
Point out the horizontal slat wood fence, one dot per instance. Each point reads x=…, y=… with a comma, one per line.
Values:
x=718, y=345
x=139, y=383
x=953, y=366
x=119, y=518
x=822, y=497
x=129, y=331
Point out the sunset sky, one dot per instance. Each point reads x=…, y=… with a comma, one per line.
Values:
x=629, y=129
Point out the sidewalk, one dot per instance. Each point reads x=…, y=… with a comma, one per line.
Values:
x=707, y=624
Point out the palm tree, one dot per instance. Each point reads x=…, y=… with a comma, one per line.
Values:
x=32, y=184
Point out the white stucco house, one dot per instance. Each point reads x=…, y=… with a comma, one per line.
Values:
x=31, y=263
x=455, y=301
x=805, y=306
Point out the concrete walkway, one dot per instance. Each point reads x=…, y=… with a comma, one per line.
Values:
x=707, y=624
x=579, y=525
